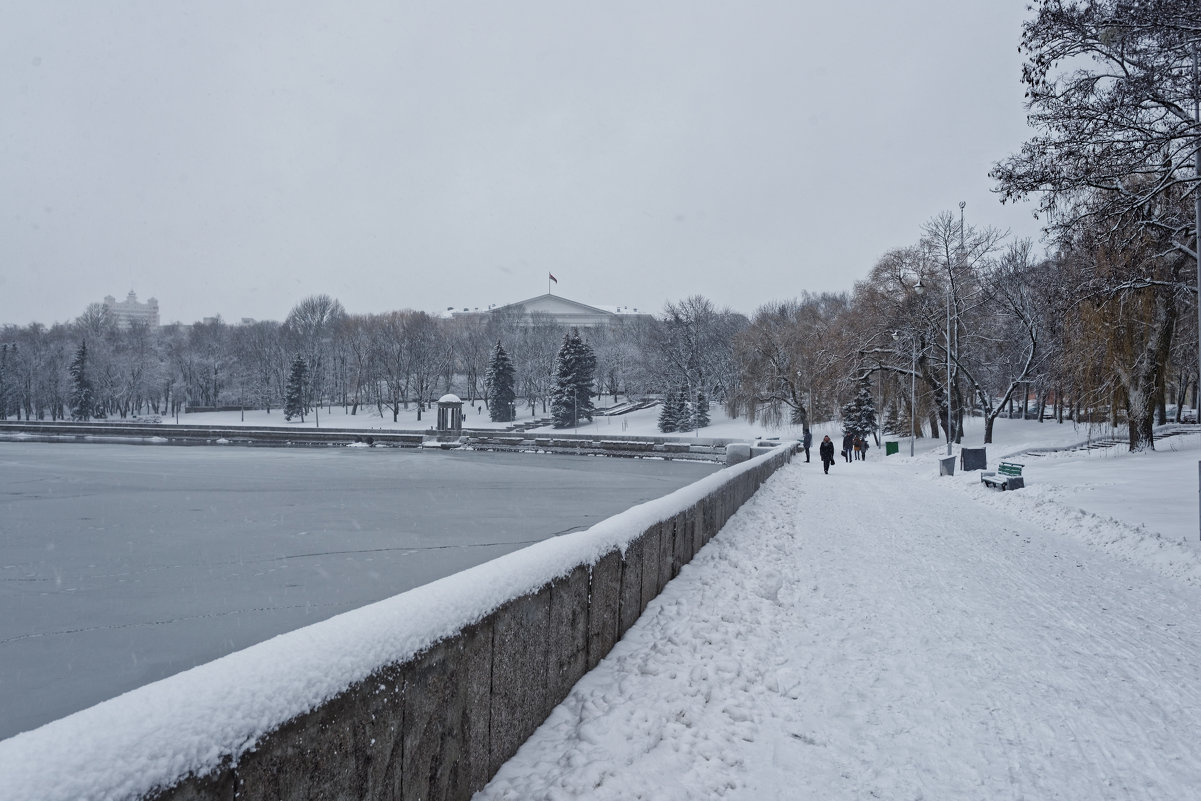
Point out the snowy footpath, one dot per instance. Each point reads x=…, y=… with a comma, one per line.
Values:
x=858, y=635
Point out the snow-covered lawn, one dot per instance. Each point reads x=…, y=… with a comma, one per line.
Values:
x=641, y=422
x=880, y=632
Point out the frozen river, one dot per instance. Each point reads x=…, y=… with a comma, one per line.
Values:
x=123, y=564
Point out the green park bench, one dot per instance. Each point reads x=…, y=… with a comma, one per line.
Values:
x=1007, y=476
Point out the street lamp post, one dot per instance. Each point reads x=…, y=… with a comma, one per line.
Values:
x=950, y=411
x=912, y=386
x=1197, y=229
x=950, y=300
x=4, y=378
x=952, y=331
x=950, y=395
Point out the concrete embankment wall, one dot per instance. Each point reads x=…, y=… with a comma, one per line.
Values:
x=203, y=434
x=712, y=449
x=436, y=722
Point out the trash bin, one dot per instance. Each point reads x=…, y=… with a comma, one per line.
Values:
x=973, y=459
x=946, y=467
x=891, y=447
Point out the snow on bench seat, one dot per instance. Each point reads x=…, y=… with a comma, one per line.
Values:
x=1007, y=476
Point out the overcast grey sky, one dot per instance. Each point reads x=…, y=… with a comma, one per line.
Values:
x=233, y=158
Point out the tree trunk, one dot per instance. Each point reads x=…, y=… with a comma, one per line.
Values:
x=1142, y=379
x=1161, y=398
x=1142, y=429
x=935, y=420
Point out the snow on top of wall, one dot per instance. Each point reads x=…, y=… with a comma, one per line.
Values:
x=157, y=734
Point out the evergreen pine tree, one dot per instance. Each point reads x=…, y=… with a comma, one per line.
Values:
x=850, y=417
x=294, y=405
x=700, y=410
x=683, y=410
x=866, y=411
x=83, y=396
x=859, y=414
x=667, y=415
x=575, y=367
x=499, y=384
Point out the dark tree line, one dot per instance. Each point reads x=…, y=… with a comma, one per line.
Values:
x=1019, y=342
x=321, y=356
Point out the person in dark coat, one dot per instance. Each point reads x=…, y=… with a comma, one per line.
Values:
x=848, y=445
x=826, y=452
x=806, y=442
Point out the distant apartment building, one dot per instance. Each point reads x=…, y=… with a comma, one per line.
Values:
x=130, y=311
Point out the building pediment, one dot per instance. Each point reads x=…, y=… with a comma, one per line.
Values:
x=553, y=305
x=560, y=310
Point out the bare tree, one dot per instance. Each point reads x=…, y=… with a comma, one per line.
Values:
x=959, y=254
x=392, y=359
x=362, y=373
x=312, y=326
x=262, y=363
x=1128, y=295
x=471, y=341
x=616, y=349
x=1008, y=343
x=692, y=346
x=96, y=322
x=1111, y=88
x=788, y=355
x=427, y=355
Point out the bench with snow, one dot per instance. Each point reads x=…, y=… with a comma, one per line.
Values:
x=1008, y=476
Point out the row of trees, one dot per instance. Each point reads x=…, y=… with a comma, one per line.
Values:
x=1114, y=92
x=321, y=354
x=961, y=321
x=1103, y=327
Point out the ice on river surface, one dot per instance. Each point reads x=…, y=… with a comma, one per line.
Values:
x=120, y=565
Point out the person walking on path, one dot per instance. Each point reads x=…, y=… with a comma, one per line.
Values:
x=806, y=442
x=848, y=442
x=826, y=452
x=858, y=448
x=863, y=450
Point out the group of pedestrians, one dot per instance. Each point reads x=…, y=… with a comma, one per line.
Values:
x=853, y=447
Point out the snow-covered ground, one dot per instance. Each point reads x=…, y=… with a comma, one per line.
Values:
x=881, y=632
x=641, y=422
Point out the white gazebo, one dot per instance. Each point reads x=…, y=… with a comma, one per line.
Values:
x=450, y=413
